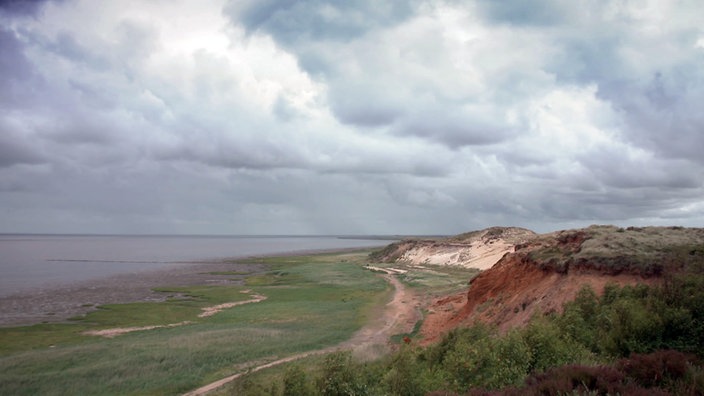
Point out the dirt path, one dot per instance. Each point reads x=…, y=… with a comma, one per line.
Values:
x=399, y=316
x=371, y=341
x=210, y=311
x=207, y=311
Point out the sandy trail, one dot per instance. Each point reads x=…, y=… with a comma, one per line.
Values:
x=210, y=311
x=207, y=311
x=114, y=332
x=399, y=316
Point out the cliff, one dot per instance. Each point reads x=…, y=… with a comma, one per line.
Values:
x=479, y=249
x=544, y=272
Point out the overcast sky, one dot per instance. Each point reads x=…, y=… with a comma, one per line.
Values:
x=349, y=117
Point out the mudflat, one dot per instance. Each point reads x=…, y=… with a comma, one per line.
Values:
x=55, y=304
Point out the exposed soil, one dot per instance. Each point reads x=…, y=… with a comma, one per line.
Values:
x=111, y=333
x=210, y=311
x=399, y=316
x=539, y=278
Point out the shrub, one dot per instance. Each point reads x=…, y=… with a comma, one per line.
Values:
x=404, y=374
x=339, y=376
x=489, y=362
x=571, y=377
x=657, y=369
x=296, y=382
x=579, y=319
x=549, y=347
x=630, y=327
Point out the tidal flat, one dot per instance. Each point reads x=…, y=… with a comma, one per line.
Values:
x=311, y=302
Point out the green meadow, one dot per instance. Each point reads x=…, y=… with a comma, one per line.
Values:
x=312, y=302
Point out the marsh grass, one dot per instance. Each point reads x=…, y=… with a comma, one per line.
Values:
x=312, y=302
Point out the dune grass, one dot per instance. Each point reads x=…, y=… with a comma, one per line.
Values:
x=312, y=302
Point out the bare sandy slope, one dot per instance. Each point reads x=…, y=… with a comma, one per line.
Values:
x=399, y=316
x=480, y=255
x=477, y=249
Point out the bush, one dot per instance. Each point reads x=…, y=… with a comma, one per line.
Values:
x=580, y=319
x=600, y=380
x=629, y=326
x=568, y=378
x=296, y=382
x=657, y=369
x=490, y=362
x=551, y=348
x=339, y=377
x=404, y=375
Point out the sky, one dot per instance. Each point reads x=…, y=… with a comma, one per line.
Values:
x=354, y=117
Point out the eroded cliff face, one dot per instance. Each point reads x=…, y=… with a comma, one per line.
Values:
x=480, y=249
x=549, y=270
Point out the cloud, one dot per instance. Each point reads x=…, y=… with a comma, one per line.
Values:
x=298, y=21
x=430, y=74
x=22, y=7
x=320, y=116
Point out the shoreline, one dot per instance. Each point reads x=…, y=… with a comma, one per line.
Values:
x=58, y=303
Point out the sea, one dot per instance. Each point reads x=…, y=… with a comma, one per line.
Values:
x=31, y=261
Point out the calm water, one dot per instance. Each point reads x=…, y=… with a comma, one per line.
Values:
x=29, y=261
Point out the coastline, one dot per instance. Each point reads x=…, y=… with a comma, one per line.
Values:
x=58, y=303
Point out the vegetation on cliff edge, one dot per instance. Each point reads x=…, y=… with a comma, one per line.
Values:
x=630, y=340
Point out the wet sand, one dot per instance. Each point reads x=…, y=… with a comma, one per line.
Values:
x=58, y=303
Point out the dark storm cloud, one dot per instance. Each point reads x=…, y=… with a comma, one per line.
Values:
x=253, y=156
x=21, y=7
x=342, y=117
x=368, y=87
x=66, y=46
x=13, y=63
x=16, y=149
x=350, y=107
x=15, y=71
x=292, y=21
x=454, y=130
x=662, y=111
x=526, y=12
x=651, y=77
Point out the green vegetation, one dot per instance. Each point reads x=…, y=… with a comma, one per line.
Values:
x=439, y=280
x=647, y=251
x=631, y=340
x=332, y=291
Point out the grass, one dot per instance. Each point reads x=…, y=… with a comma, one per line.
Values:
x=312, y=302
x=254, y=383
x=615, y=250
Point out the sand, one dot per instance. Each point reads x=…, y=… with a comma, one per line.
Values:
x=480, y=255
